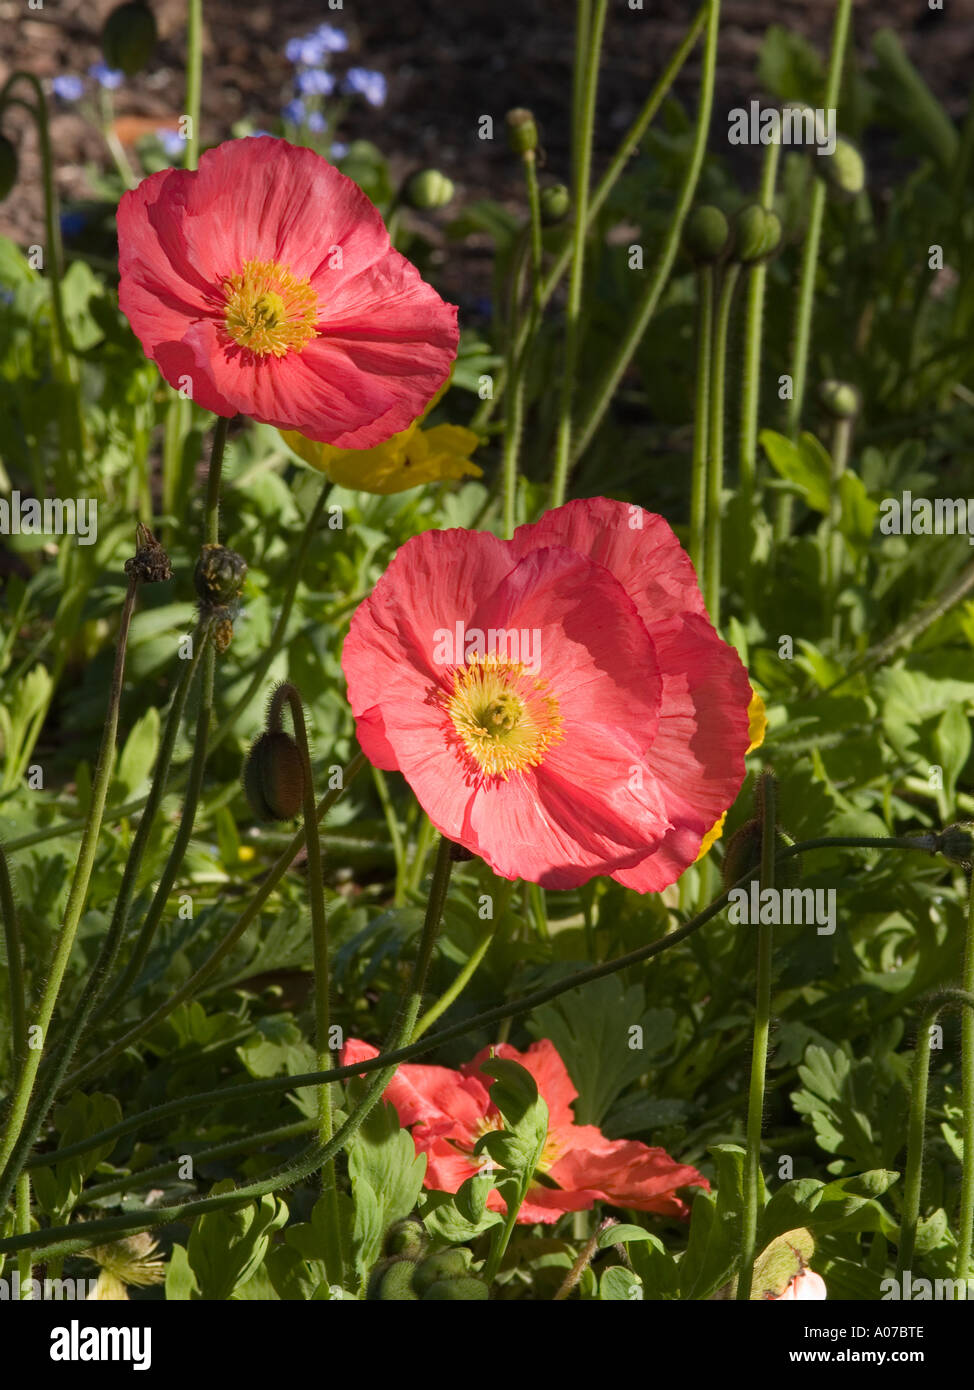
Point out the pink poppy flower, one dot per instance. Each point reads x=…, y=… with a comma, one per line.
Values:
x=804, y=1287
x=450, y=1110
x=267, y=281
x=559, y=703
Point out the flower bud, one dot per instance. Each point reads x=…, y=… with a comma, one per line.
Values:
x=840, y=399
x=273, y=777
x=129, y=36
x=555, y=204
x=757, y=234
x=406, y=1238
x=219, y=576
x=428, y=189
x=392, y=1280
x=440, y=1268
x=956, y=843
x=706, y=234
x=845, y=169
x=467, y=1288
x=8, y=166
x=522, y=131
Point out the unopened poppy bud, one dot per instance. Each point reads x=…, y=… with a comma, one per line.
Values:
x=757, y=234
x=407, y=1238
x=956, y=843
x=8, y=166
x=129, y=36
x=555, y=203
x=466, y=1289
x=428, y=189
x=392, y=1280
x=840, y=399
x=219, y=576
x=446, y=1265
x=522, y=130
x=845, y=169
x=706, y=233
x=743, y=853
x=273, y=777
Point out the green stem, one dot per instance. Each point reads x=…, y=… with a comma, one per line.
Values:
x=204, y=972
x=916, y=1122
x=966, y=1218
x=395, y=834
x=18, y=1034
x=701, y=420
x=77, y=895
x=841, y=446
x=759, y=1050
x=588, y=52
x=715, y=462
x=288, y=694
x=809, y=267
x=457, y=987
x=194, y=81
x=753, y=343
x=613, y=374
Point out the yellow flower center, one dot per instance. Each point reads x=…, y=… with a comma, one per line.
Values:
x=268, y=309
x=502, y=718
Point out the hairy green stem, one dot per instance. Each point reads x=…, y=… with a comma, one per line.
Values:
x=715, y=449
x=753, y=343
x=966, y=1217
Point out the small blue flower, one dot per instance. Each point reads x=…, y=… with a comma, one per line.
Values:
x=366, y=83
x=111, y=78
x=316, y=122
x=68, y=87
x=172, y=142
x=315, y=82
x=294, y=111
x=305, y=51
x=338, y=149
x=332, y=40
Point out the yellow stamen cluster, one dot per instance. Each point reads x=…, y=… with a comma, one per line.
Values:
x=503, y=719
x=269, y=310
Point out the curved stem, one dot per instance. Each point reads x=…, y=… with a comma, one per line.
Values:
x=588, y=52
x=767, y=800
x=77, y=895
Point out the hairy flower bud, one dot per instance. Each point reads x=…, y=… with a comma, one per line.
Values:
x=845, y=169
x=840, y=399
x=522, y=130
x=467, y=1288
x=129, y=36
x=428, y=189
x=391, y=1280
x=219, y=576
x=706, y=233
x=273, y=777
x=8, y=166
x=757, y=234
x=406, y=1238
x=555, y=204
x=447, y=1264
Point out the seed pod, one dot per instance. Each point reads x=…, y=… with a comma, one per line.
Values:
x=273, y=777
x=428, y=189
x=407, y=1238
x=706, y=234
x=757, y=234
x=466, y=1289
x=219, y=576
x=129, y=36
x=555, y=204
x=391, y=1281
x=840, y=399
x=522, y=130
x=845, y=169
x=9, y=165
x=150, y=564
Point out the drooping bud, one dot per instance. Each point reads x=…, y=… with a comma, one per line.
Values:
x=428, y=189
x=840, y=399
x=273, y=777
x=219, y=576
x=555, y=204
x=129, y=36
x=406, y=1238
x=757, y=234
x=522, y=130
x=9, y=165
x=150, y=563
x=706, y=234
x=391, y=1281
x=956, y=843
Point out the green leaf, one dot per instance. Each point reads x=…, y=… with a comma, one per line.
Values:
x=58, y=1189
x=780, y=1262
x=806, y=464
x=518, y=1147
x=621, y=1235
x=656, y=1267
x=387, y=1177
x=181, y=1282
x=714, y=1247
x=138, y=756
x=620, y=1285
x=225, y=1248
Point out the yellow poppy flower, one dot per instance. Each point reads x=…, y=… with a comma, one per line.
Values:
x=409, y=459
x=757, y=727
